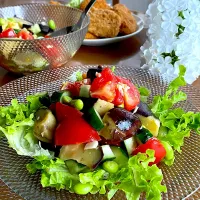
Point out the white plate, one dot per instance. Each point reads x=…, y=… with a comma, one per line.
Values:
x=105, y=41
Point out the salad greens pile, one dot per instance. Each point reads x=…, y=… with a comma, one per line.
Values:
x=74, y=3
x=133, y=177
x=16, y=124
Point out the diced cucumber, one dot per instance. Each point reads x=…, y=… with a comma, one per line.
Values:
x=121, y=156
x=75, y=167
x=102, y=106
x=143, y=135
x=94, y=119
x=60, y=96
x=35, y=29
x=107, y=153
x=85, y=91
x=130, y=145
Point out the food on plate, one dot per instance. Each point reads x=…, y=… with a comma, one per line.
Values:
x=128, y=22
x=104, y=23
x=90, y=36
x=19, y=28
x=99, y=4
x=94, y=135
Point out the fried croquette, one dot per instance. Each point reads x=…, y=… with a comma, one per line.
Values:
x=129, y=24
x=90, y=36
x=104, y=23
x=99, y=4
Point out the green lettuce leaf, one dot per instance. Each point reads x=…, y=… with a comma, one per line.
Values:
x=144, y=93
x=134, y=179
x=137, y=177
x=16, y=124
x=177, y=123
x=74, y=3
x=54, y=173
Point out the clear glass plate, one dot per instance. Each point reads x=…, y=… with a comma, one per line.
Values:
x=182, y=179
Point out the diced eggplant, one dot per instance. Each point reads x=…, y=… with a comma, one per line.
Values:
x=45, y=99
x=45, y=125
x=88, y=103
x=91, y=145
x=144, y=110
x=92, y=157
x=88, y=157
x=91, y=73
x=120, y=124
x=73, y=151
x=45, y=29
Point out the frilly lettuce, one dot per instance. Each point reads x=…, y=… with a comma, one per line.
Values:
x=54, y=173
x=176, y=123
x=16, y=124
x=74, y=3
x=137, y=177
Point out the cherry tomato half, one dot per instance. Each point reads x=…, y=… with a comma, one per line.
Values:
x=25, y=35
x=154, y=144
x=115, y=89
x=8, y=33
x=130, y=94
x=104, y=85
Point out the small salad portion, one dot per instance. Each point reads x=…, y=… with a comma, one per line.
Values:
x=97, y=134
x=19, y=28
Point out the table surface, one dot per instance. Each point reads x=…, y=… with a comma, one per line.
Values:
x=124, y=53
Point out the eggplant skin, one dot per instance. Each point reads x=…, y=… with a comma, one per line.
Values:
x=120, y=124
x=144, y=110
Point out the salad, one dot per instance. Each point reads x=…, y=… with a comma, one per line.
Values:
x=97, y=134
x=22, y=29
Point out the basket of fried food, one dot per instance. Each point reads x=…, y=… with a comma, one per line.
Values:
x=108, y=21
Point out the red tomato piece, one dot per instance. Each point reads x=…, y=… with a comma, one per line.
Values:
x=25, y=35
x=130, y=93
x=52, y=50
x=75, y=131
x=8, y=33
x=74, y=88
x=154, y=144
x=119, y=98
x=64, y=111
x=104, y=85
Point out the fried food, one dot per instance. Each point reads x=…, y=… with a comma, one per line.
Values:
x=90, y=36
x=99, y=4
x=54, y=2
x=104, y=23
x=129, y=24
